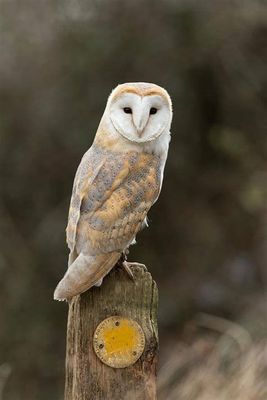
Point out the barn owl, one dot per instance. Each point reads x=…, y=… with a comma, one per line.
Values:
x=118, y=180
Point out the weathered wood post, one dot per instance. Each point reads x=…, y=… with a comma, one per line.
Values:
x=116, y=341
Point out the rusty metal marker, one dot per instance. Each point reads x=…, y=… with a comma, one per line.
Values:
x=119, y=342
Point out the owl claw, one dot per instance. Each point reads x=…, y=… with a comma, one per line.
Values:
x=137, y=264
x=126, y=265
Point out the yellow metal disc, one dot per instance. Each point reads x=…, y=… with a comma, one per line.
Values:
x=119, y=342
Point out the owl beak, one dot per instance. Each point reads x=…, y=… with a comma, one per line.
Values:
x=140, y=122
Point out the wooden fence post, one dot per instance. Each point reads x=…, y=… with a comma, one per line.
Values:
x=87, y=377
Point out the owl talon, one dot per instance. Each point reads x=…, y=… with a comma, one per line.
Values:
x=137, y=264
x=127, y=268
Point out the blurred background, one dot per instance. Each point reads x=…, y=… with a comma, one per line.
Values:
x=206, y=246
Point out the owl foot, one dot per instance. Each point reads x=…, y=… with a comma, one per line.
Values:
x=137, y=264
x=127, y=266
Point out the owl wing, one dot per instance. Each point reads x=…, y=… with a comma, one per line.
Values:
x=114, y=204
x=112, y=194
x=85, y=175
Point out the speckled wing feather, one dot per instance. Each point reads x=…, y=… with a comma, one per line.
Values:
x=85, y=175
x=115, y=203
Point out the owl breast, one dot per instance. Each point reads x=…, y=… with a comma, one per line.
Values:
x=117, y=201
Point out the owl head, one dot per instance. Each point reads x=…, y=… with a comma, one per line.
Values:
x=139, y=112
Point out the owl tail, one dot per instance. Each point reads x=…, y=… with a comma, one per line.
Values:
x=84, y=273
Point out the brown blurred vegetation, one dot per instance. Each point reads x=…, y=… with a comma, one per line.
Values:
x=207, y=242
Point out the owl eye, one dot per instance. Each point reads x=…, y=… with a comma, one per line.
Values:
x=127, y=110
x=153, y=110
